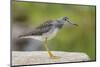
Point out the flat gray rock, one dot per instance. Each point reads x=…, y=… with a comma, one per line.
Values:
x=41, y=57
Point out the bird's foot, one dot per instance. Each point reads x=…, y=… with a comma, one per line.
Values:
x=55, y=57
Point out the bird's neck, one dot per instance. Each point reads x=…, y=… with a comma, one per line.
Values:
x=60, y=24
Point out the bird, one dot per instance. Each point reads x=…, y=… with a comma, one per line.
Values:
x=47, y=31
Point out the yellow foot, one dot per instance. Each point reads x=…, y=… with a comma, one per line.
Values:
x=55, y=57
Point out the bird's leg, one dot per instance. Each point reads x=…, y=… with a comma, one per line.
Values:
x=49, y=52
x=46, y=47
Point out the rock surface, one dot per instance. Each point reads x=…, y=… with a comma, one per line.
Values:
x=41, y=57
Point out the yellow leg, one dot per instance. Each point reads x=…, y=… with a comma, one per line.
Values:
x=49, y=52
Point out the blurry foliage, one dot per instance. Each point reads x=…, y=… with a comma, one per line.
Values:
x=80, y=39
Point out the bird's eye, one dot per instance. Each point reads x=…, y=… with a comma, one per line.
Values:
x=65, y=19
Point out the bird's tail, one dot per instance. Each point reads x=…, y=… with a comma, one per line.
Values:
x=21, y=36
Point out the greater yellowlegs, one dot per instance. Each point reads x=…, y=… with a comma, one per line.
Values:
x=47, y=31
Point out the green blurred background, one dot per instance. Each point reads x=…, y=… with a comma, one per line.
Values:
x=70, y=39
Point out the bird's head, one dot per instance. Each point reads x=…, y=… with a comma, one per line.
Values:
x=66, y=20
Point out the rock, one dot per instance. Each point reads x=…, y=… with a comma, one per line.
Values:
x=41, y=57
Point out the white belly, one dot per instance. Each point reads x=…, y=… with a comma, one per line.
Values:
x=49, y=35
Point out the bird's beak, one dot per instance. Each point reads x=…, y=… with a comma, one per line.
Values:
x=71, y=23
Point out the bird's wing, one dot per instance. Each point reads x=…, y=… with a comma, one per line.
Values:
x=43, y=28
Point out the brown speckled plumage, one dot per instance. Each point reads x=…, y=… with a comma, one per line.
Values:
x=43, y=28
